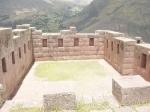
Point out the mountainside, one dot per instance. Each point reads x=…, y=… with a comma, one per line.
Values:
x=81, y=2
x=129, y=16
x=46, y=15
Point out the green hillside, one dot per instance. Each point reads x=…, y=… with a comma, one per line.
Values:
x=46, y=15
x=129, y=16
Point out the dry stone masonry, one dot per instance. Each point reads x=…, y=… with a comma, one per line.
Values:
x=131, y=90
x=57, y=96
x=16, y=56
x=20, y=47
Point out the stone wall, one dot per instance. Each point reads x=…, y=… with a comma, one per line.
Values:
x=16, y=56
x=142, y=60
x=112, y=46
x=124, y=55
x=20, y=47
x=67, y=45
x=118, y=51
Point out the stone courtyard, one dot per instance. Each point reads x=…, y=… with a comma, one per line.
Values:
x=30, y=92
x=31, y=89
x=24, y=48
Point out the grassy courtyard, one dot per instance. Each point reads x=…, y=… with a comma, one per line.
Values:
x=91, y=78
x=74, y=70
x=80, y=108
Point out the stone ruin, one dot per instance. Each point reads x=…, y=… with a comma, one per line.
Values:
x=19, y=48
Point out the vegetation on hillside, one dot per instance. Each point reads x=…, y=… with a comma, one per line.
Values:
x=46, y=15
x=131, y=17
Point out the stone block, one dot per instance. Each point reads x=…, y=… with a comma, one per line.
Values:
x=127, y=72
x=128, y=66
x=37, y=45
x=138, y=39
x=126, y=54
x=131, y=90
x=61, y=49
x=46, y=55
x=68, y=44
x=24, y=26
x=76, y=53
x=45, y=50
x=37, y=32
x=65, y=32
x=131, y=54
x=59, y=95
x=37, y=50
x=32, y=29
x=92, y=53
x=128, y=60
x=100, y=32
x=51, y=41
x=36, y=37
x=37, y=41
x=76, y=49
x=72, y=28
x=129, y=49
x=67, y=40
x=38, y=55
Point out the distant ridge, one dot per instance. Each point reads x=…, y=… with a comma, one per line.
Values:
x=131, y=17
x=46, y=15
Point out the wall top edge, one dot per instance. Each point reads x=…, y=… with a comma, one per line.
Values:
x=15, y=37
x=108, y=31
x=124, y=39
x=19, y=30
x=48, y=34
x=2, y=29
x=143, y=45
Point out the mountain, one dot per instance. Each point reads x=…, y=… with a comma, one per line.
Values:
x=46, y=15
x=129, y=16
x=79, y=2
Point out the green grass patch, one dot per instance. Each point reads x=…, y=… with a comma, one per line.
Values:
x=139, y=105
x=81, y=107
x=74, y=70
x=20, y=108
x=93, y=106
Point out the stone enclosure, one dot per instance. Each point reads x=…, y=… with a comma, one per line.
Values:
x=20, y=47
